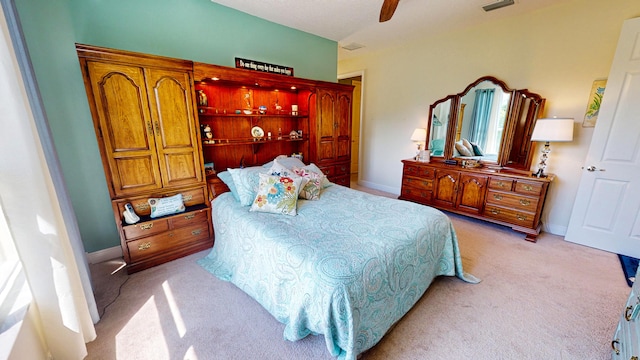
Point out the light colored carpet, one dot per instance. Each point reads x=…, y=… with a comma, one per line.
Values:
x=548, y=300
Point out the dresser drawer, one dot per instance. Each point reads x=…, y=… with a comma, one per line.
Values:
x=145, y=228
x=516, y=217
x=528, y=188
x=415, y=194
x=342, y=169
x=513, y=200
x=419, y=171
x=150, y=246
x=328, y=171
x=418, y=183
x=500, y=184
x=189, y=218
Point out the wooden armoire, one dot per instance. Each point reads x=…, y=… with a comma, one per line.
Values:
x=146, y=126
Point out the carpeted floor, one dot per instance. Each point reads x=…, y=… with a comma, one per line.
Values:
x=548, y=300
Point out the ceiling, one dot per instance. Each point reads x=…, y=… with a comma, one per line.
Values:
x=355, y=22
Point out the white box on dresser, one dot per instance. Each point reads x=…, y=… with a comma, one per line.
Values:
x=626, y=340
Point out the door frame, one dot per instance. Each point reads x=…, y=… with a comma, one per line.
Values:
x=361, y=74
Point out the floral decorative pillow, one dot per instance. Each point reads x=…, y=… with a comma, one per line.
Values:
x=277, y=194
x=310, y=191
x=313, y=167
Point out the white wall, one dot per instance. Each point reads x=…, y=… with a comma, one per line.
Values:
x=557, y=52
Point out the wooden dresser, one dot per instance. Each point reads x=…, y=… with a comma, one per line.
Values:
x=506, y=197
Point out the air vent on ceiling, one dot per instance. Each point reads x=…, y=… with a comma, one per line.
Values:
x=497, y=5
x=352, y=46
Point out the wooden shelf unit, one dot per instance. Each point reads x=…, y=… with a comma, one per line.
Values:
x=323, y=117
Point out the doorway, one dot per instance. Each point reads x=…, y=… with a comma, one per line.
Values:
x=357, y=80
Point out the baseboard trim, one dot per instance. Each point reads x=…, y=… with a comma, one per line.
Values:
x=388, y=189
x=104, y=255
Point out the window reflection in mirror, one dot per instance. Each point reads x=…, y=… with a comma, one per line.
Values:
x=439, y=124
x=482, y=117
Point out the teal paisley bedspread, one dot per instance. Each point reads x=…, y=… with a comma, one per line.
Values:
x=348, y=266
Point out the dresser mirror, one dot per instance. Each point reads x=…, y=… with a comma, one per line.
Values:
x=487, y=122
x=440, y=112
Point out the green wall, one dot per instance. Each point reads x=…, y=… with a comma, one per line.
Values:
x=197, y=30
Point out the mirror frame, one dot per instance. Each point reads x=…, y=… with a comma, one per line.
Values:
x=515, y=152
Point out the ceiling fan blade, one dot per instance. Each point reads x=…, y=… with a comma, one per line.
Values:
x=388, y=8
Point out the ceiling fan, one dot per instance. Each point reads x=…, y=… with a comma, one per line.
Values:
x=388, y=8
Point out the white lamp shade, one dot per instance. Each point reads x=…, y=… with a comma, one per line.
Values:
x=419, y=134
x=553, y=130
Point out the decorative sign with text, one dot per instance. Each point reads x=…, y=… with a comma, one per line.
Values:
x=264, y=67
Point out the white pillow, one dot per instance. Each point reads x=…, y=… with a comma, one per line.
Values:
x=166, y=206
x=468, y=145
x=462, y=149
x=288, y=162
x=278, y=168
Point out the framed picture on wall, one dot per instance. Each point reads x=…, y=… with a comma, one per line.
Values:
x=208, y=169
x=593, y=106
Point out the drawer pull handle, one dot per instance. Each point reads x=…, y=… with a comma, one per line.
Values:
x=525, y=202
x=146, y=226
x=631, y=312
x=495, y=211
x=614, y=346
x=196, y=232
x=528, y=187
x=501, y=184
x=497, y=197
x=144, y=246
x=142, y=206
x=189, y=217
x=521, y=217
x=187, y=197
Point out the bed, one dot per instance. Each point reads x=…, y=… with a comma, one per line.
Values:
x=348, y=265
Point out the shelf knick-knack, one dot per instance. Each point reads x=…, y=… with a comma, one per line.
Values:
x=202, y=98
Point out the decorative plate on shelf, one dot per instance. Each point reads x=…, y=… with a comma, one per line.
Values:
x=257, y=132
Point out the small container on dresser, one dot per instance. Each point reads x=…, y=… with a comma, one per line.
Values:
x=626, y=340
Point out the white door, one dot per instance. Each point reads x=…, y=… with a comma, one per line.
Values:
x=606, y=213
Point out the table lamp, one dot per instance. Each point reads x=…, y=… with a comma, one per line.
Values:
x=420, y=136
x=549, y=130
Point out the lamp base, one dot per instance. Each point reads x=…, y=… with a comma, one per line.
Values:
x=539, y=174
